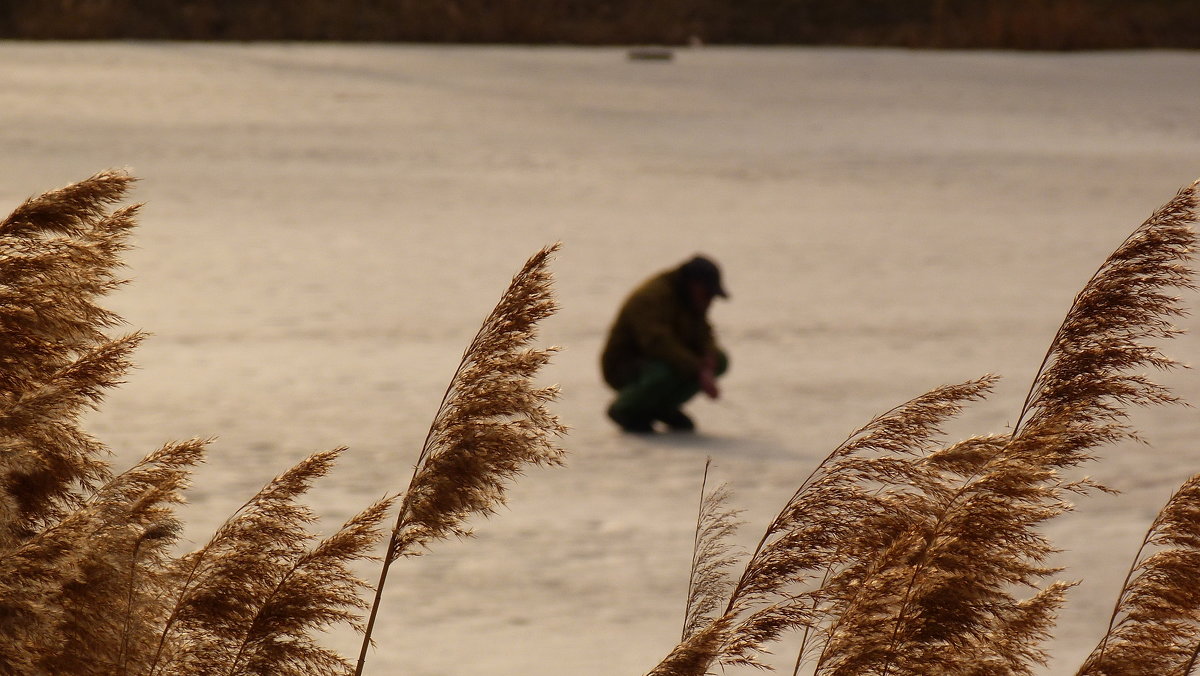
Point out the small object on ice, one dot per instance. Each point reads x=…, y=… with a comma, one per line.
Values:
x=650, y=54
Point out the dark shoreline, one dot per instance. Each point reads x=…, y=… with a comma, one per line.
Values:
x=947, y=24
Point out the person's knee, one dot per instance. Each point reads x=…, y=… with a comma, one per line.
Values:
x=657, y=387
x=657, y=373
x=647, y=387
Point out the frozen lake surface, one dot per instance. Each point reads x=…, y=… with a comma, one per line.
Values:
x=326, y=225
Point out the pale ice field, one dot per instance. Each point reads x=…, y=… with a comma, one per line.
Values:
x=325, y=226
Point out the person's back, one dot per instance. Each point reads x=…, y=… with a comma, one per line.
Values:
x=661, y=349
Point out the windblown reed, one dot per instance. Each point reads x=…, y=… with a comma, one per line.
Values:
x=708, y=583
x=246, y=600
x=89, y=579
x=491, y=424
x=899, y=556
x=1155, y=624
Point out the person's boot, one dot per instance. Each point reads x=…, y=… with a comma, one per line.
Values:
x=631, y=423
x=678, y=421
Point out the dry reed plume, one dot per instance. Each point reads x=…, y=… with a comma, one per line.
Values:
x=900, y=556
x=90, y=583
x=491, y=424
x=1155, y=624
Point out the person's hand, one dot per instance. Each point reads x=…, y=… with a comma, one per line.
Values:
x=708, y=383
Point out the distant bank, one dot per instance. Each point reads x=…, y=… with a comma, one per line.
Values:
x=988, y=24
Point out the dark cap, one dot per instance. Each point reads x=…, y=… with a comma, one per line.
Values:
x=707, y=273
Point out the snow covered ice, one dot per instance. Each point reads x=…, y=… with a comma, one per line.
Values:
x=325, y=226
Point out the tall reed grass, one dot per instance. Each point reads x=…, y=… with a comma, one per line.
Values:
x=900, y=554
x=90, y=579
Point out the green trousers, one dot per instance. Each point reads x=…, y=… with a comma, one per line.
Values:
x=656, y=390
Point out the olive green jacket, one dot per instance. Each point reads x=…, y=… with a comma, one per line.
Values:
x=657, y=322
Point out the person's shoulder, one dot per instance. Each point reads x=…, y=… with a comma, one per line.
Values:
x=656, y=288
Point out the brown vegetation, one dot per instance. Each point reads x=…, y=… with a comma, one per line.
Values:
x=899, y=555
x=1017, y=24
x=89, y=581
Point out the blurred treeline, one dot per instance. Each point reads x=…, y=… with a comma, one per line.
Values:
x=1016, y=24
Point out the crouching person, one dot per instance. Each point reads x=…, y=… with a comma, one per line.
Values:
x=661, y=350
